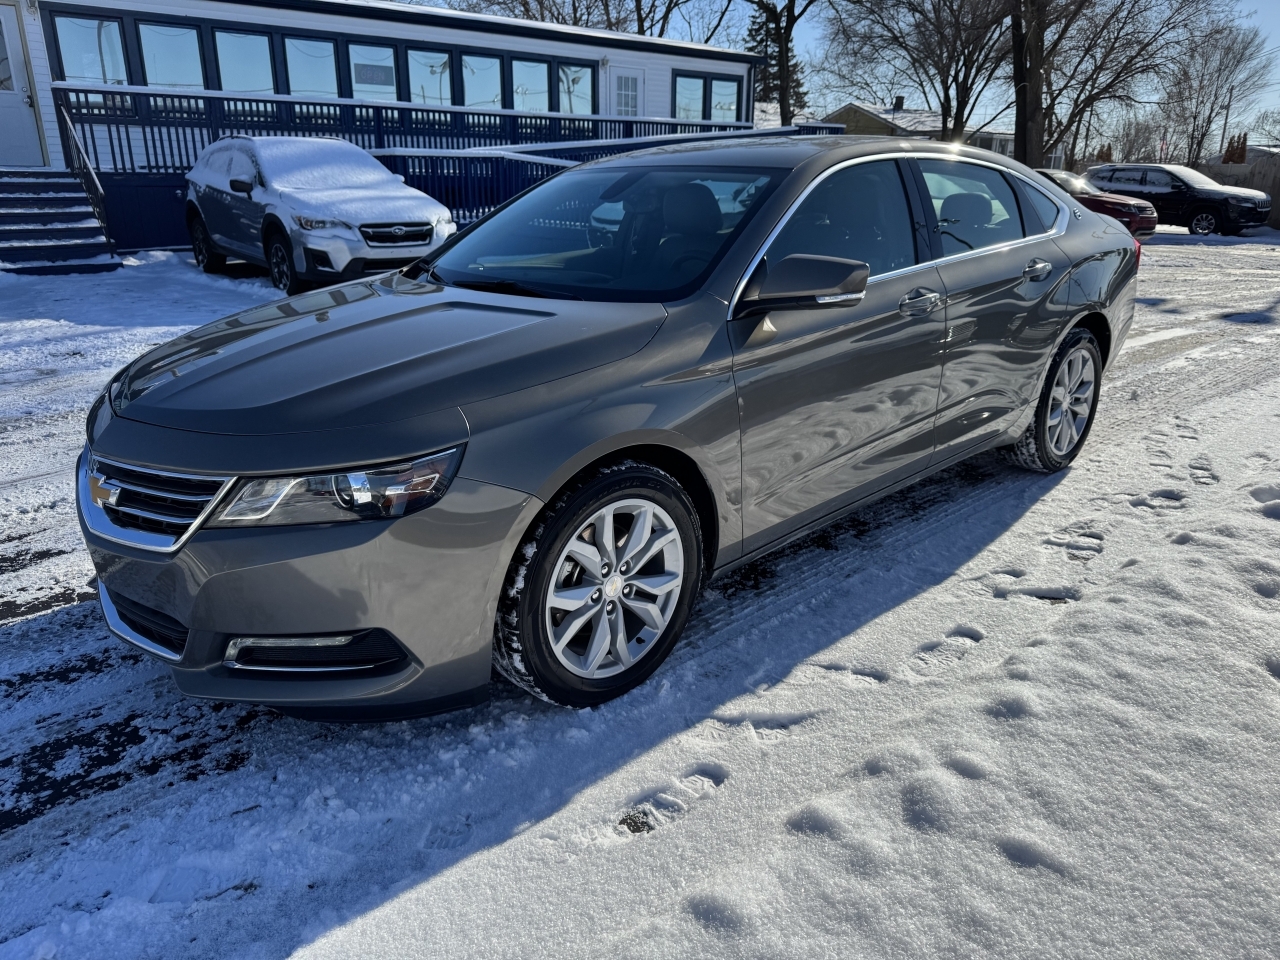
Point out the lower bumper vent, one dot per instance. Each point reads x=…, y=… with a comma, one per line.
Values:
x=160, y=628
x=366, y=650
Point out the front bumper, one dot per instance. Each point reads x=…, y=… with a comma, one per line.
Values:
x=431, y=580
x=1247, y=216
x=334, y=258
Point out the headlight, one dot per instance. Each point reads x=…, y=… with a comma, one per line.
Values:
x=311, y=223
x=371, y=493
x=1240, y=201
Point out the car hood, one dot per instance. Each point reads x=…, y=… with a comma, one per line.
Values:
x=1115, y=198
x=371, y=352
x=1243, y=193
x=394, y=203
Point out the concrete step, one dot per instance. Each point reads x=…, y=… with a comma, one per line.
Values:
x=101, y=263
x=39, y=251
x=85, y=228
x=52, y=216
x=36, y=201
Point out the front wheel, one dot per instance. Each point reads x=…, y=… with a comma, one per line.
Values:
x=601, y=588
x=1203, y=223
x=280, y=263
x=1066, y=408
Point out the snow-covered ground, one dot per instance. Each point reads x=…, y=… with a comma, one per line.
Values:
x=998, y=714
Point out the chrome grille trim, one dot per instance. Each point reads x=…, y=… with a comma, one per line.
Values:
x=384, y=235
x=99, y=520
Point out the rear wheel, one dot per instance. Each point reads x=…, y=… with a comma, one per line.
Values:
x=1066, y=409
x=207, y=256
x=601, y=588
x=1204, y=222
x=280, y=263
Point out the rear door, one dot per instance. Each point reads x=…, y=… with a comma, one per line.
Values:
x=999, y=267
x=838, y=401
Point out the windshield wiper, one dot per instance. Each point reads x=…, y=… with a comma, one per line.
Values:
x=514, y=287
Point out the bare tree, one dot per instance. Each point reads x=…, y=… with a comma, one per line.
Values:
x=780, y=18
x=949, y=51
x=1082, y=57
x=702, y=21
x=1227, y=68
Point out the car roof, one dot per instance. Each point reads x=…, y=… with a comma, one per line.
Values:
x=793, y=151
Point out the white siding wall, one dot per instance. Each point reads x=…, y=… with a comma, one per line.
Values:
x=39, y=57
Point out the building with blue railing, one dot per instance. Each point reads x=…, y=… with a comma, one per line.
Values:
x=126, y=93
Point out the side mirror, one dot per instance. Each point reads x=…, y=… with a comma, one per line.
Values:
x=804, y=280
x=242, y=186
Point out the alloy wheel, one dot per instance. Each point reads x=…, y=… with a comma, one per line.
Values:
x=281, y=273
x=615, y=588
x=1071, y=402
x=1203, y=224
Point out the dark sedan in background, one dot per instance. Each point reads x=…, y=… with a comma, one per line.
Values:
x=1185, y=197
x=533, y=447
x=1138, y=215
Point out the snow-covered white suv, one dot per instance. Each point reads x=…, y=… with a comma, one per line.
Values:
x=310, y=209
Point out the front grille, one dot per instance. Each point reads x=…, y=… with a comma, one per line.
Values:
x=158, y=627
x=1264, y=204
x=386, y=234
x=152, y=501
x=367, y=650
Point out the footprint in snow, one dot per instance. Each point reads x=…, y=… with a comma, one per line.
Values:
x=762, y=727
x=1080, y=543
x=1201, y=469
x=668, y=803
x=1165, y=499
x=850, y=675
x=1268, y=495
x=1029, y=853
x=1053, y=595
x=937, y=656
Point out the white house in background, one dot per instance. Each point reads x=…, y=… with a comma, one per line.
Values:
x=899, y=121
x=278, y=51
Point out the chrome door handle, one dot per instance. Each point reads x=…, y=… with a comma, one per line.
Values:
x=919, y=302
x=1038, y=269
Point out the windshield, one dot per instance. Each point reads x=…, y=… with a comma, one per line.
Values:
x=1194, y=177
x=308, y=163
x=617, y=233
x=1076, y=186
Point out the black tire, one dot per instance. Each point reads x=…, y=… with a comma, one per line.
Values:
x=522, y=647
x=1033, y=451
x=1204, y=221
x=280, y=264
x=208, y=257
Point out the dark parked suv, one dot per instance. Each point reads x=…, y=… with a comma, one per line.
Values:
x=1185, y=197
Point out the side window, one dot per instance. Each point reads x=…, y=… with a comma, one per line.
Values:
x=1041, y=213
x=975, y=206
x=242, y=166
x=1099, y=176
x=1159, y=180
x=859, y=213
x=1128, y=177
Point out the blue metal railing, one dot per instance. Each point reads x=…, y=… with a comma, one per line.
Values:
x=145, y=130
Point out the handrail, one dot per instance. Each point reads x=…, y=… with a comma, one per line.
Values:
x=129, y=89
x=78, y=163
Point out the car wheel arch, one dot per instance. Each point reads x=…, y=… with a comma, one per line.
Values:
x=193, y=212
x=677, y=457
x=272, y=225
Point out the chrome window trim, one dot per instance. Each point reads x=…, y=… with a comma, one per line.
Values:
x=123, y=631
x=1058, y=229
x=96, y=519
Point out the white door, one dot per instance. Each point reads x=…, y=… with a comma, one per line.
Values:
x=628, y=93
x=19, y=137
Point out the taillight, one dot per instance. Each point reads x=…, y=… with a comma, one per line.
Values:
x=1137, y=252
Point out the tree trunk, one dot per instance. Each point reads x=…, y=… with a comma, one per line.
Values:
x=1019, y=53
x=1034, y=29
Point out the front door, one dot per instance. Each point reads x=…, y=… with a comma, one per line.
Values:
x=244, y=214
x=1167, y=194
x=19, y=135
x=999, y=268
x=838, y=401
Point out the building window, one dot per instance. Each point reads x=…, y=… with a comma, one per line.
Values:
x=627, y=99
x=244, y=62
x=313, y=67
x=373, y=72
x=6, y=66
x=577, y=93
x=724, y=101
x=481, y=81
x=430, y=79
x=171, y=56
x=689, y=97
x=92, y=51
x=531, y=86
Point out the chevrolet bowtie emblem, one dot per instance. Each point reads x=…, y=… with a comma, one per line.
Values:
x=102, y=492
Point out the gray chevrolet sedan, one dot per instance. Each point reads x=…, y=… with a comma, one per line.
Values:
x=532, y=448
